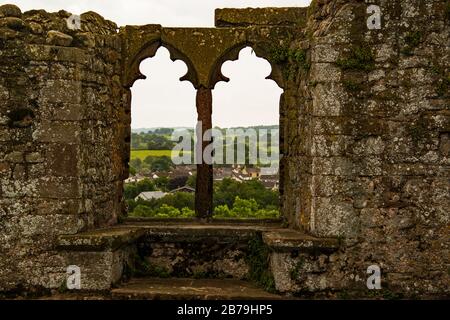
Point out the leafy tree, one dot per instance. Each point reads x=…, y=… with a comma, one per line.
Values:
x=192, y=181
x=161, y=183
x=161, y=164
x=136, y=163
x=244, y=208
x=222, y=212
x=227, y=190
x=187, y=213
x=132, y=190
x=177, y=182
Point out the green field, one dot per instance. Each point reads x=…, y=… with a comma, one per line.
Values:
x=142, y=154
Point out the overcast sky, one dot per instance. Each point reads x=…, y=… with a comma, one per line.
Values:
x=163, y=101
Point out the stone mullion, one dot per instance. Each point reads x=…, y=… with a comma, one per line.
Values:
x=204, y=183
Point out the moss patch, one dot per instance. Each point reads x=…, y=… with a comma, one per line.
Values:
x=283, y=54
x=258, y=260
x=351, y=85
x=292, y=60
x=360, y=58
x=443, y=87
x=312, y=8
x=143, y=268
x=295, y=272
x=412, y=41
x=447, y=11
x=418, y=131
x=443, y=80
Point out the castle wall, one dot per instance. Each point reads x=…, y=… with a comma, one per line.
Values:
x=61, y=130
x=365, y=134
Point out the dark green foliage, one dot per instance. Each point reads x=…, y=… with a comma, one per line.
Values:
x=360, y=58
x=132, y=190
x=63, y=287
x=412, y=41
x=192, y=181
x=20, y=117
x=162, y=183
x=226, y=191
x=179, y=204
x=177, y=182
x=293, y=60
x=151, y=141
x=300, y=57
x=161, y=164
x=443, y=86
x=279, y=54
x=417, y=131
x=442, y=81
x=312, y=7
x=249, y=199
x=352, y=85
x=295, y=272
x=258, y=260
x=447, y=10
x=143, y=268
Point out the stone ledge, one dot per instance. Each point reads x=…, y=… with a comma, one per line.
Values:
x=191, y=289
x=286, y=240
x=295, y=16
x=101, y=239
x=120, y=236
x=142, y=221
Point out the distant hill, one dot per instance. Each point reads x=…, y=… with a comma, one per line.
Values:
x=146, y=130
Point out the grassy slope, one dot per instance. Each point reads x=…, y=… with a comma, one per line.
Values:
x=142, y=154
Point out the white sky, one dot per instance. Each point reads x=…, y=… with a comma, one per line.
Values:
x=162, y=100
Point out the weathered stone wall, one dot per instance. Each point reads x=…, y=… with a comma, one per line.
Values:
x=365, y=134
x=61, y=140
x=378, y=158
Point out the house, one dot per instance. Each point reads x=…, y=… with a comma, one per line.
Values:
x=149, y=195
x=184, y=189
x=269, y=171
x=222, y=173
x=252, y=173
x=135, y=179
x=271, y=184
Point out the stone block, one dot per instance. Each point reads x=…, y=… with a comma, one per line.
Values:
x=15, y=157
x=328, y=99
x=34, y=157
x=58, y=38
x=99, y=270
x=48, y=225
x=325, y=72
x=12, y=23
x=59, y=188
x=324, y=53
x=62, y=159
x=58, y=131
x=10, y=10
x=260, y=16
x=57, y=91
x=333, y=218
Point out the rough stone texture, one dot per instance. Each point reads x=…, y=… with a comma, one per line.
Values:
x=377, y=175
x=189, y=289
x=364, y=138
x=261, y=17
x=61, y=147
x=196, y=252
